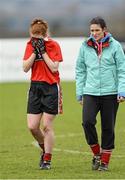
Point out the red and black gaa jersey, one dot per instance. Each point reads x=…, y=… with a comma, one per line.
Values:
x=40, y=71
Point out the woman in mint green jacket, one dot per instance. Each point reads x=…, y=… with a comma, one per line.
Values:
x=100, y=87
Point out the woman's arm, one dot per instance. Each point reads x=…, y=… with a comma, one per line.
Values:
x=28, y=63
x=53, y=66
x=120, y=63
x=80, y=74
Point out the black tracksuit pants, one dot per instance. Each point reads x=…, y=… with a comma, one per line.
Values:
x=107, y=106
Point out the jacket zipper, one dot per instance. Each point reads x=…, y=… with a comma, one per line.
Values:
x=99, y=75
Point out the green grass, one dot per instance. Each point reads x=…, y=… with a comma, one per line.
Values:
x=19, y=158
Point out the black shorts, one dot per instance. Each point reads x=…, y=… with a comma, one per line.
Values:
x=44, y=97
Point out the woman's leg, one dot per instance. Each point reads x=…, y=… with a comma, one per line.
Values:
x=91, y=107
x=48, y=132
x=48, y=140
x=109, y=107
x=33, y=121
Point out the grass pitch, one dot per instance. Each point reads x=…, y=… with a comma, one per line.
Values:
x=19, y=155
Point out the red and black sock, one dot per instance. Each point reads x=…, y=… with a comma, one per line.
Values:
x=95, y=149
x=47, y=157
x=105, y=156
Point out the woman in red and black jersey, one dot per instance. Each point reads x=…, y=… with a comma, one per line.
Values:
x=42, y=56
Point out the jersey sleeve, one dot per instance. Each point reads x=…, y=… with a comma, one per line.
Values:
x=58, y=54
x=53, y=50
x=28, y=51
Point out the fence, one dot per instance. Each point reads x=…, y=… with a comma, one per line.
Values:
x=12, y=51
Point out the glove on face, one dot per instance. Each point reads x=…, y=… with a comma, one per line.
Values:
x=39, y=47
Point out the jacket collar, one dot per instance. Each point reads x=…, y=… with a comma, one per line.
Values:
x=105, y=41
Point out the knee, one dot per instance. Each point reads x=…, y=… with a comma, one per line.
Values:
x=47, y=129
x=32, y=129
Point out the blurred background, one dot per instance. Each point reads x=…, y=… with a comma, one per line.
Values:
x=65, y=17
x=69, y=25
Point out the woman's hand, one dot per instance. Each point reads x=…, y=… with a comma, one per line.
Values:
x=120, y=99
x=80, y=99
x=81, y=102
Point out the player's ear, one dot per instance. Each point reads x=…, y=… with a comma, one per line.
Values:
x=104, y=29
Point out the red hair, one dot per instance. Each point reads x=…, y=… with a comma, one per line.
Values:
x=39, y=27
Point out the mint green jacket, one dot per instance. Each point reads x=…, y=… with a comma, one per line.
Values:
x=104, y=76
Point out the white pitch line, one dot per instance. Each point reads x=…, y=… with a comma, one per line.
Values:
x=74, y=151
x=63, y=150
x=71, y=151
x=68, y=135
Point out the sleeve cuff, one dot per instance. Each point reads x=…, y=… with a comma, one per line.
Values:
x=121, y=94
x=79, y=98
